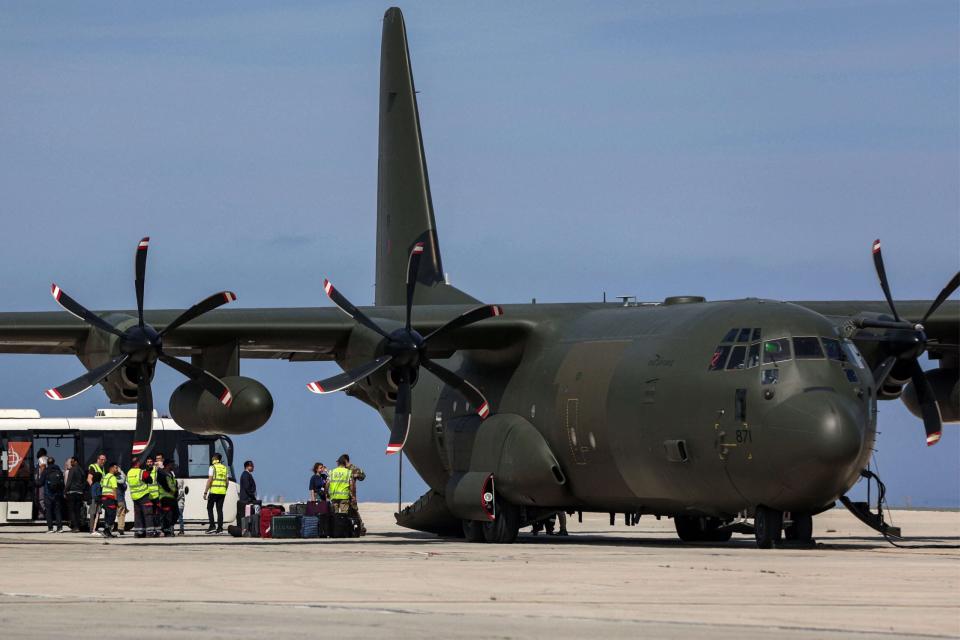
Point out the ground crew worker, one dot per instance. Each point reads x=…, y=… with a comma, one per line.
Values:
x=338, y=486
x=108, y=498
x=153, y=486
x=94, y=476
x=168, y=498
x=121, y=502
x=216, y=492
x=357, y=475
x=140, y=494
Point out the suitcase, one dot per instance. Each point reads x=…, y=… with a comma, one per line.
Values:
x=318, y=508
x=251, y=510
x=325, y=526
x=344, y=526
x=297, y=509
x=266, y=520
x=250, y=526
x=286, y=526
x=310, y=526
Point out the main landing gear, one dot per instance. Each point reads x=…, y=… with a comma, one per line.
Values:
x=773, y=529
x=502, y=530
x=701, y=529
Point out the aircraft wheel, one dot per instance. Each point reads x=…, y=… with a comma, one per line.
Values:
x=473, y=531
x=505, y=528
x=769, y=526
x=801, y=529
x=699, y=529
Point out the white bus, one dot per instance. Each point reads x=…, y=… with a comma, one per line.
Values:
x=23, y=432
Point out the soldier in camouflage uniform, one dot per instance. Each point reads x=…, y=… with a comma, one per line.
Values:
x=357, y=475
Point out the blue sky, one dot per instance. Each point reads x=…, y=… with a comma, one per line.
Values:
x=648, y=148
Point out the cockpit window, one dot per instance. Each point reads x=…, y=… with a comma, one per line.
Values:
x=776, y=350
x=756, y=334
x=753, y=358
x=744, y=335
x=731, y=335
x=832, y=347
x=737, y=356
x=807, y=348
x=853, y=354
x=719, y=358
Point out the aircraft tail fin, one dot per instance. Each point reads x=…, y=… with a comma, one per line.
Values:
x=404, y=205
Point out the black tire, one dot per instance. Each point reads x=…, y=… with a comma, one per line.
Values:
x=801, y=530
x=505, y=528
x=699, y=529
x=473, y=531
x=768, y=524
x=688, y=528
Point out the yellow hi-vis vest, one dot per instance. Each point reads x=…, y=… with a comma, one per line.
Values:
x=219, y=484
x=166, y=490
x=94, y=468
x=109, y=486
x=340, y=483
x=153, y=487
x=138, y=488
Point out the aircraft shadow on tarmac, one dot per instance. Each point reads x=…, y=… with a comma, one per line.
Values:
x=402, y=538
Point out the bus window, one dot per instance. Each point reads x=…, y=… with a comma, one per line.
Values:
x=224, y=447
x=115, y=445
x=198, y=459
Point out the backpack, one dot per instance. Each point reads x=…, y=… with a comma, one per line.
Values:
x=55, y=480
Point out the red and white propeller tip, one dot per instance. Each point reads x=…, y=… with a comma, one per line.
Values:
x=229, y=296
x=327, y=287
x=144, y=243
x=315, y=387
x=933, y=439
x=226, y=398
x=484, y=410
x=138, y=447
x=53, y=394
x=417, y=248
x=876, y=245
x=393, y=448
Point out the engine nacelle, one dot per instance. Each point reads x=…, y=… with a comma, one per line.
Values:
x=946, y=389
x=199, y=412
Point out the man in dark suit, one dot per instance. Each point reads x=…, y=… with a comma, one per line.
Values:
x=248, y=490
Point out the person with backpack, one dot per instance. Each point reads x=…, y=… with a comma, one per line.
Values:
x=52, y=482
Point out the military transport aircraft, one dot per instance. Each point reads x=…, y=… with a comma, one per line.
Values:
x=708, y=412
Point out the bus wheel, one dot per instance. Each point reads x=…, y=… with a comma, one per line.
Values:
x=505, y=528
x=473, y=531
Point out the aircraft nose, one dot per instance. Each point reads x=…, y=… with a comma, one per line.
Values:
x=820, y=435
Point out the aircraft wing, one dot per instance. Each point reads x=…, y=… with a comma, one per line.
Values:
x=942, y=327
x=277, y=333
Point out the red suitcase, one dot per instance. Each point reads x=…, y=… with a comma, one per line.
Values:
x=266, y=519
x=318, y=508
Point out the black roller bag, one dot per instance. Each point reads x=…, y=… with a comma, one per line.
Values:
x=344, y=526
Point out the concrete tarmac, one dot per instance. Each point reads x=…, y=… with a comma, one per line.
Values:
x=601, y=581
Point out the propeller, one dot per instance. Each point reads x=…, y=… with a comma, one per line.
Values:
x=141, y=346
x=908, y=341
x=405, y=351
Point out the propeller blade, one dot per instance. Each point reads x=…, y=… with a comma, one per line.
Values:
x=474, y=315
x=882, y=274
x=140, y=267
x=946, y=293
x=347, y=307
x=881, y=372
x=342, y=381
x=78, y=310
x=413, y=270
x=144, y=429
x=79, y=385
x=932, y=422
x=401, y=413
x=207, y=380
x=470, y=392
x=207, y=304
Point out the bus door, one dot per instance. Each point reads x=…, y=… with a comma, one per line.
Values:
x=17, y=487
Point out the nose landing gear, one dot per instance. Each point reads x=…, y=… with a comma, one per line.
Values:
x=776, y=529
